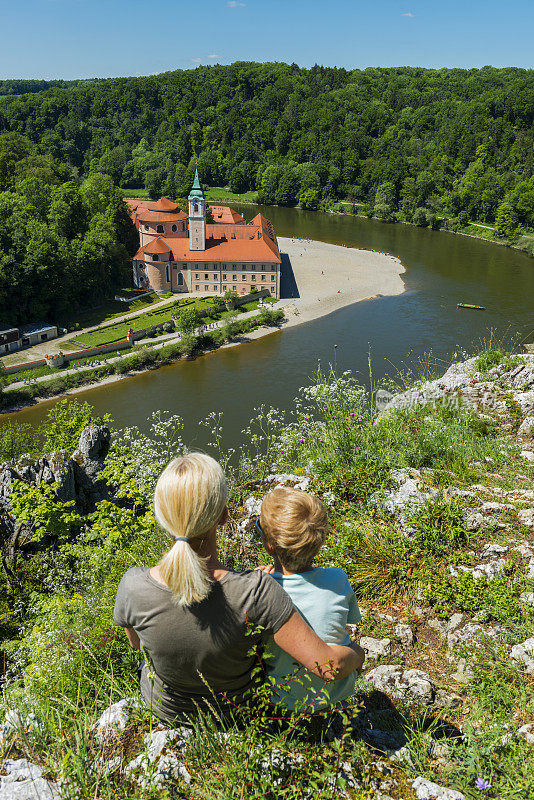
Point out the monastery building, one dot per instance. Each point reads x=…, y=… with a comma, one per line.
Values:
x=182, y=253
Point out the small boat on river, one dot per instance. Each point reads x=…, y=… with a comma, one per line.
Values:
x=471, y=306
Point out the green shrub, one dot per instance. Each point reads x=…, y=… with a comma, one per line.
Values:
x=497, y=597
x=488, y=359
x=438, y=527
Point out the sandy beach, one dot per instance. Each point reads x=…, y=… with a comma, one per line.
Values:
x=328, y=277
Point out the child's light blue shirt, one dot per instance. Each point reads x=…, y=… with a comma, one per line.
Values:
x=325, y=599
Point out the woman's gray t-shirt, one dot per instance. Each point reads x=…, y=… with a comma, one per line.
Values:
x=202, y=648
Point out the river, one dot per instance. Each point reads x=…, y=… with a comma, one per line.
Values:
x=441, y=270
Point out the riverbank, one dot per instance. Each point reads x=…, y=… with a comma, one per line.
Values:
x=317, y=279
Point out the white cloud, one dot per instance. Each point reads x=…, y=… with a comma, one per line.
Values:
x=196, y=60
x=214, y=55
x=407, y=14
x=235, y=4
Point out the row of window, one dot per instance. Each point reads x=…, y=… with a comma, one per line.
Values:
x=161, y=228
x=206, y=277
x=216, y=288
x=251, y=267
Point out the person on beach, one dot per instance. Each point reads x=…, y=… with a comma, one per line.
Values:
x=197, y=621
x=294, y=526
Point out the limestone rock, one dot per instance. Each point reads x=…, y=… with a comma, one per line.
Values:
x=524, y=653
x=412, y=684
x=427, y=790
x=472, y=633
x=92, y=449
x=525, y=401
x=408, y=493
x=492, y=549
x=299, y=482
x=375, y=647
x=526, y=429
x=526, y=517
x=114, y=717
x=24, y=781
x=404, y=634
x=527, y=598
x=252, y=506
x=527, y=731
x=528, y=454
x=155, y=743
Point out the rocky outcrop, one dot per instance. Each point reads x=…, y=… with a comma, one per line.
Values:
x=411, y=685
x=76, y=477
x=24, y=781
x=492, y=391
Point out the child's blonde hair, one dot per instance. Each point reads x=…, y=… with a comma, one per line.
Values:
x=190, y=498
x=295, y=524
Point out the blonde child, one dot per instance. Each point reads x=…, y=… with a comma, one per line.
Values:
x=294, y=525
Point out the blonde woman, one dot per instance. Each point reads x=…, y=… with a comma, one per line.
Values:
x=195, y=619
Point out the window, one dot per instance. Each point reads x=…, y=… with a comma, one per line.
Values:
x=214, y=288
x=206, y=288
x=224, y=277
x=180, y=279
x=155, y=257
x=195, y=208
x=174, y=228
x=160, y=229
x=273, y=267
x=252, y=266
x=167, y=273
x=183, y=226
x=234, y=288
x=253, y=277
x=197, y=288
x=263, y=266
x=263, y=277
x=244, y=277
x=225, y=288
x=197, y=276
x=147, y=228
x=234, y=277
x=272, y=277
x=184, y=266
x=215, y=277
x=206, y=276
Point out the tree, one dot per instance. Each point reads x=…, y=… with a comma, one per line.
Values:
x=506, y=221
x=309, y=199
x=187, y=319
x=230, y=295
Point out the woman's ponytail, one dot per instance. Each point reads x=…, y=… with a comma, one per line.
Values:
x=190, y=498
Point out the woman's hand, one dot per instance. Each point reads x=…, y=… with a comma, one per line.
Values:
x=268, y=569
x=329, y=662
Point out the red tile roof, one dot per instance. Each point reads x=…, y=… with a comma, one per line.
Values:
x=255, y=250
x=155, y=246
x=144, y=215
x=225, y=214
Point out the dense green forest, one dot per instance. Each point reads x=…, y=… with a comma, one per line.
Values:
x=64, y=243
x=404, y=141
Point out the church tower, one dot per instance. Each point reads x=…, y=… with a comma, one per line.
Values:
x=197, y=216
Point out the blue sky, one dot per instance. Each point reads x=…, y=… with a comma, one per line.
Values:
x=87, y=38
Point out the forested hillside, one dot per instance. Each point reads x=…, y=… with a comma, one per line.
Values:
x=64, y=243
x=459, y=142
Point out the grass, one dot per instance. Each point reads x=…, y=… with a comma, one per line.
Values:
x=115, y=333
x=221, y=194
x=112, y=309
